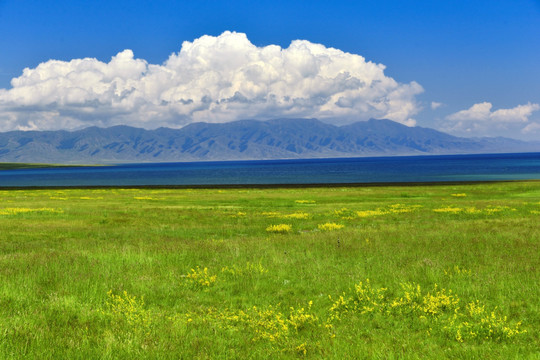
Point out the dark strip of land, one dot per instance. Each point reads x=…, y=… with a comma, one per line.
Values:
x=265, y=186
x=15, y=166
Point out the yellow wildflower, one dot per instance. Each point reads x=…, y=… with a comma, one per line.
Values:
x=330, y=226
x=280, y=228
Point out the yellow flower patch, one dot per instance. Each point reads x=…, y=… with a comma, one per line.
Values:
x=15, y=211
x=391, y=209
x=263, y=324
x=297, y=215
x=496, y=209
x=449, y=209
x=457, y=271
x=330, y=226
x=129, y=309
x=200, y=278
x=369, y=213
x=280, y=228
x=401, y=208
x=276, y=214
x=345, y=213
x=271, y=213
x=438, y=309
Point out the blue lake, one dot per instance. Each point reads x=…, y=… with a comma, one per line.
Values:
x=453, y=168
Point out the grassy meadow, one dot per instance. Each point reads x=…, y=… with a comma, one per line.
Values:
x=395, y=272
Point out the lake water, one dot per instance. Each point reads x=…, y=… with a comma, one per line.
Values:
x=485, y=167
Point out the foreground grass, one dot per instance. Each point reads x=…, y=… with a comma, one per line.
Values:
x=374, y=272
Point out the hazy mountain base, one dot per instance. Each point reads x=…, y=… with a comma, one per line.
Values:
x=242, y=140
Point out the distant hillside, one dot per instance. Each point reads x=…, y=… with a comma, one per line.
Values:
x=242, y=140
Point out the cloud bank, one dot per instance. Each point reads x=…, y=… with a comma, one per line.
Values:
x=480, y=118
x=212, y=79
x=482, y=112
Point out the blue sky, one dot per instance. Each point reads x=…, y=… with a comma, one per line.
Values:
x=466, y=67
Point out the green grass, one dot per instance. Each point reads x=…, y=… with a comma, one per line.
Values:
x=181, y=273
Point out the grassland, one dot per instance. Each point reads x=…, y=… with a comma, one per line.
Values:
x=368, y=272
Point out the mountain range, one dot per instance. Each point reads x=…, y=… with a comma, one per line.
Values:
x=242, y=140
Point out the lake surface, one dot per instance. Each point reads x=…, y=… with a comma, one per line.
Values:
x=485, y=167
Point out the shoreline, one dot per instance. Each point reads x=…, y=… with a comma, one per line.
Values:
x=269, y=186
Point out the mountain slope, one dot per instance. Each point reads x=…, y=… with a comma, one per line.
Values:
x=245, y=139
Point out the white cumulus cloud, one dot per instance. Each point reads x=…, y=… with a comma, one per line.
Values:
x=480, y=119
x=212, y=79
x=532, y=128
x=482, y=112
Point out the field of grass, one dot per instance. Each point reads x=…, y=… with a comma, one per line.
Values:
x=442, y=271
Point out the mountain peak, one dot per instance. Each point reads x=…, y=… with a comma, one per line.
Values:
x=242, y=140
